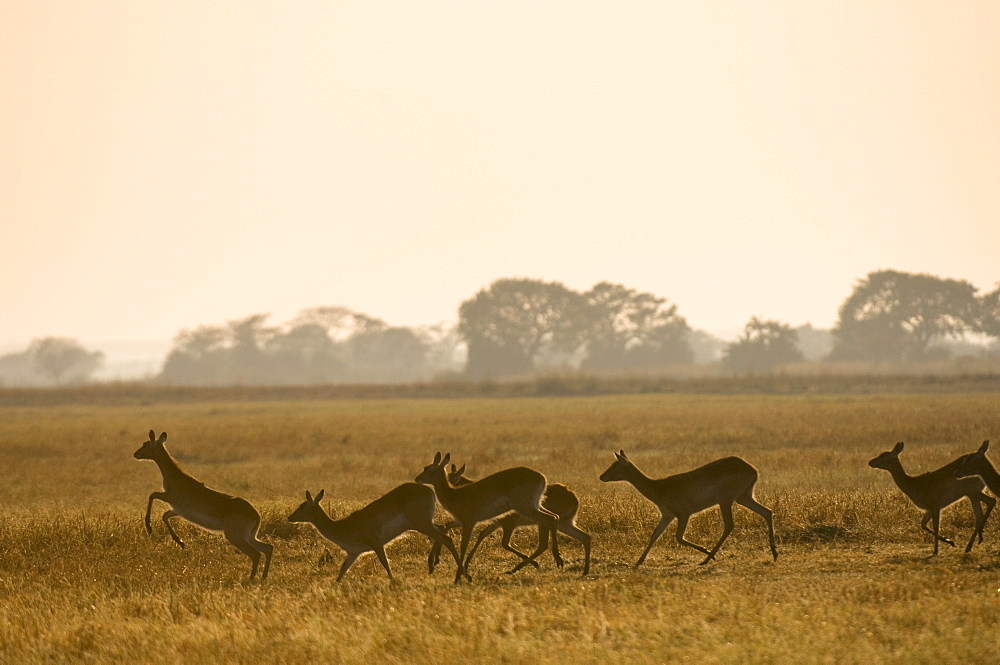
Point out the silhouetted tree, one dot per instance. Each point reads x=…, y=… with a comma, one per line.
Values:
x=50, y=361
x=340, y=323
x=248, y=363
x=763, y=346
x=305, y=354
x=625, y=329
x=446, y=351
x=989, y=313
x=321, y=345
x=388, y=354
x=514, y=322
x=199, y=357
x=62, y=359
x=894, y=315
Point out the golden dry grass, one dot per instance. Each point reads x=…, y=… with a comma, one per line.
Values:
x=80, y=581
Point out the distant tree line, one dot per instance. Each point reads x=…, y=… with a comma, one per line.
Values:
x=50, y=361
x=522, y=326
x=891, y=317
x=321, y=345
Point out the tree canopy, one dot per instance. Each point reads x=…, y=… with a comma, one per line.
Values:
x=321, y=345
x=517, y=326
x=763, y=346
x=51, y=361
x=894, y=315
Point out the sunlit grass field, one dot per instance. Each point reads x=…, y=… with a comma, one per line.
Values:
x=80, y=580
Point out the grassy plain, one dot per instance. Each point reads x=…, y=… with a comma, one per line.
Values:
x=80, y=581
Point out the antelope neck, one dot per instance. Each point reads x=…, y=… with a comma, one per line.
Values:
x=900, y=476
x=641, y=482
x=443, y=486
x=326, y=525
x=989, y=474
x=169, y=468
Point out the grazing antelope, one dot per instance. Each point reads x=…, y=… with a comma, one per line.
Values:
x=208, y=508
x=558, y=498
x=409, y=507
x=935, y=490
x=976, y=464
x=519, y=489
x=720, y=483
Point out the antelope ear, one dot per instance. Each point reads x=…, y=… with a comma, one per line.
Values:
x=319, y=497
x=163, y=437
x=437, y=458
x=309, y=497
x=462, y=470
x=983, y=448
x=898, y=448
x=453, y=469
x=152, y=435
x=447, y=458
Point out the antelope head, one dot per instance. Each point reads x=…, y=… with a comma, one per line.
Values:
x=888, y=458
x=434, y=470
x=619, y=469
x=151, y=448
x=456, y=475
x=309, y=509
x=973, y=463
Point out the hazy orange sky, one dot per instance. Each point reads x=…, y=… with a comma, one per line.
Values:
x=166, y=165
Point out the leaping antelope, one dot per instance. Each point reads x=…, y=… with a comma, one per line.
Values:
x=208, y=508
x=407, y=507
x=558, y=498
x=720, y=483
x=936, y=490
x=519, y=489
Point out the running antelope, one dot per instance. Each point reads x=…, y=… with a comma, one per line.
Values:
x=558, y=498
x=935, y=490
x=409, y=507
x=519, y=489
x=720, y=483
x=977, y=464
x=209, y=509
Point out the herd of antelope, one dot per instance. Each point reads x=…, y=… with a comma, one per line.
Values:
x=521, y=496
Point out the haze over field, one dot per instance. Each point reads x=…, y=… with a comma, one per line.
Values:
x=167, y=166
